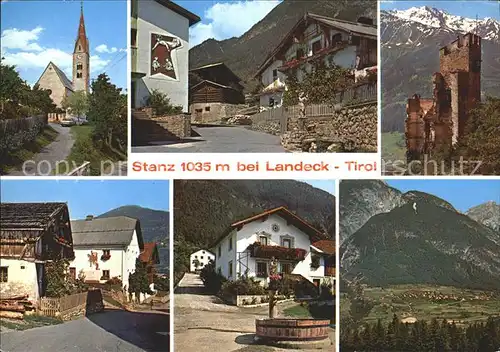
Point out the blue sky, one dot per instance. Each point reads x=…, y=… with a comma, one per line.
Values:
x=467, y=9
x=325, y=185
x=462, y=194
x=36, y=32
x=89, y=197
x=222, y=19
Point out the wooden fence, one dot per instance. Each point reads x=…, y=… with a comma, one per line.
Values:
x=362, y=93
x=8, y=126
x=63, y=306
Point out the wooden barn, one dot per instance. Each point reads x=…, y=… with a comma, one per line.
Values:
x=215, y=93
x=31, y=234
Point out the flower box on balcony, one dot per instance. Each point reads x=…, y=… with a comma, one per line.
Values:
x=258, y=250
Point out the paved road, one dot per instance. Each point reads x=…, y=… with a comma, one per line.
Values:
x=220, y=140
x=109, y=331
x=45, y=162
x=204, y=324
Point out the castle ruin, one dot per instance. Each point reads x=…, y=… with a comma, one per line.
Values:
x=438, y=123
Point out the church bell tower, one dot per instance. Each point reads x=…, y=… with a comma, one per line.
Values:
x=81, y=58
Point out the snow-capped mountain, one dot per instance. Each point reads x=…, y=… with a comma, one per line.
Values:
x=410, y=43
x=488, y=28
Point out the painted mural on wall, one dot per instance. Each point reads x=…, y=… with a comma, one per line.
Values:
x=162, y=48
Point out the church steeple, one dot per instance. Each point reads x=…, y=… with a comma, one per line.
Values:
x=82, y=35
x=81, y=57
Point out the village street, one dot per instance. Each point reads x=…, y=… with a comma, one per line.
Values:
x=111, y=330
x=200, y=318
x=54, y=152
x=220, y=140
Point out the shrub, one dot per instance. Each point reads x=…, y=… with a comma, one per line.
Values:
x=161, y=283
x=242, y=286
x=114, y=281
x=305, y=288
x=212, y=280
x=326, y=292
x=161, y=104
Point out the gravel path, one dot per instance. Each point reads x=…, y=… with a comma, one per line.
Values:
x=221, y=140
x=45, y=162
x=109, y=331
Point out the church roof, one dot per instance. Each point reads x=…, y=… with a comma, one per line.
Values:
x=62, y=76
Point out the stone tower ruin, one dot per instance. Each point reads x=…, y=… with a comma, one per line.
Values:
x=436, y=124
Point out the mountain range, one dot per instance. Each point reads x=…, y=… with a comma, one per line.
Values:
x=391, y=237
x=410, y=43
x=204, y=209
x=246, y=53
x=154, y=226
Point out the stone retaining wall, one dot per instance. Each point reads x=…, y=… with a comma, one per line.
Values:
x=350, y=129
x=179, y=125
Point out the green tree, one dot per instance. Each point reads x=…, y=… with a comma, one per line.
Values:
x=107, y=112
x=77, y=103
x=138, y=280
x=482, y=140
x=58, y=281
x=13, y=91
x=320, y=84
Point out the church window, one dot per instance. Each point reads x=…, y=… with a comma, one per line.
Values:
x=79, y=66
x=78, y=75
x=79, y=48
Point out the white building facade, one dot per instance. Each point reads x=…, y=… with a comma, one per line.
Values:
x=249, y=245
x=106, y=248
x=160, y=51
x=350, y=45
x=199, y=259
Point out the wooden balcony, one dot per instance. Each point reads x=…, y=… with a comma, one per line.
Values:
x=330, y=271
x=258, y=250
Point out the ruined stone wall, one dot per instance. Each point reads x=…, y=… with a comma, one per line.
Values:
x=349, y=129
x=178, y=125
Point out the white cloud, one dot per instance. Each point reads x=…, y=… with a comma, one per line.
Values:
x=39, y=60
x=14, y=38
x=103, y=48
x=242, y=16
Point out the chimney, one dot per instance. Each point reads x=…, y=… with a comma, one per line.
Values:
x=89, y=217
x=365, y=20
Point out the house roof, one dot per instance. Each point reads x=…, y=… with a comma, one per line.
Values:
x=114, y=231
x=28, y=216
x=62, y=76
x=215, y=66
x=150, y=253
x=313, y=233
x=193, y=19
x=350, y=27
x=212, y=83
x=326, y=246
x=346, y=26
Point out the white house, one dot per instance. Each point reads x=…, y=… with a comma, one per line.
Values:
x=247, y=247
x=351, y=45
x=160, y=51
x=202, y=258
x=106, y=248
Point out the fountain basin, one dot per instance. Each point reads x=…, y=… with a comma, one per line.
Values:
x=292, y=329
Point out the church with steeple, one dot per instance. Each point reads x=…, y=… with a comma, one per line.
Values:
x=55, y=79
